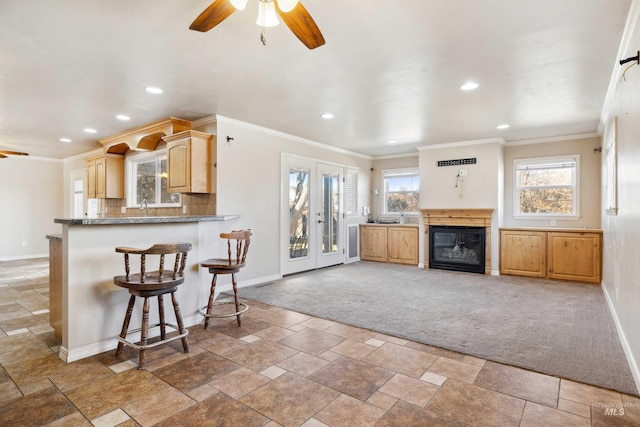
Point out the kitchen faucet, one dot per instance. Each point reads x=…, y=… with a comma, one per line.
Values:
x=145, y=206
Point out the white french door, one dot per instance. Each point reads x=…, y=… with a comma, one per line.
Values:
x=312, y=223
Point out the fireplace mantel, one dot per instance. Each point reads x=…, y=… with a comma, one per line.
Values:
x=459, y=217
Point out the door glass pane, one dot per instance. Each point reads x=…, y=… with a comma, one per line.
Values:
x=329, y=212
x=298, y=213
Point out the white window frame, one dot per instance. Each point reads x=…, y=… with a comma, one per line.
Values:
x=518, y=163
x=397, y=172
x=611, y=170
x=131, y=162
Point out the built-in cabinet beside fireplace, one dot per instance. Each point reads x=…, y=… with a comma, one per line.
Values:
x=565, y=254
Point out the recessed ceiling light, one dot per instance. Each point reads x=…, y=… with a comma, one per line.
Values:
x=469, y=86
x=123, y=117
x=152, y=89
x=65, y=140
x=503, y=126
x=89, y=130
x=327, y=116
x=391, y=141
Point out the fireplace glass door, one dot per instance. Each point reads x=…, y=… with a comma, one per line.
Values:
x=457, y=248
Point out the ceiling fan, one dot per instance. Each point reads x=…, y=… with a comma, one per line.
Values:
x=5, y=153
x=294, y=15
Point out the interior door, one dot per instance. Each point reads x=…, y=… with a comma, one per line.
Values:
x=312, y=223
x=329, y=216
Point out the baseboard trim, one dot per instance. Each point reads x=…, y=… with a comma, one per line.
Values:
x=111, y=343
x=19, y=257
x=247, y=283
x=633, y=366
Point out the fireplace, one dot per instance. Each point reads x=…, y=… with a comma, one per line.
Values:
x=457, y=248
x=457, y=230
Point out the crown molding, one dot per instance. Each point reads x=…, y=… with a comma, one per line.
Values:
x=268, y=131
x=204, y=121
x=395, y=156
x=553, y=139
x=500, y=141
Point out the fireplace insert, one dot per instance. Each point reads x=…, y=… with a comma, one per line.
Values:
x=457, y=248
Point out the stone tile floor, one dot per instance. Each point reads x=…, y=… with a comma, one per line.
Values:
x=279, y=368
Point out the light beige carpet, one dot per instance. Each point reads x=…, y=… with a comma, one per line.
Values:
x=558, y=328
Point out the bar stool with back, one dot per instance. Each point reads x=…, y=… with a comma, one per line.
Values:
x=147, y=284
x=235, y=260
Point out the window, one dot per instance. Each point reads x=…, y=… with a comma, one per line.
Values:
x=148, y=180
x=547, y=187
x=401, y=190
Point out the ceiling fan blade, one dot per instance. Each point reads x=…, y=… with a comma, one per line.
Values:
x=302, y=25
x=13, y=153
x=217, y=12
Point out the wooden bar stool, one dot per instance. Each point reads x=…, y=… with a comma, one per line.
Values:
x=235, y=260
x=150, y=284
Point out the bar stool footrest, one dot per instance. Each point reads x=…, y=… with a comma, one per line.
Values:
x=154, y=344
x=203, y=310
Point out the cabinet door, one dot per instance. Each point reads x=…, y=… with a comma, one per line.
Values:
x=178, y=164
x=523, y=253
x=91, y=179
x=574, y=256
x=403, y=245
x=373, y=243
x=101, y=178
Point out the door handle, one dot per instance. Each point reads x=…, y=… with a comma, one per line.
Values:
x=320, y=221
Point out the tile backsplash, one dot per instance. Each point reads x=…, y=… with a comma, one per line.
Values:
x=196, y=204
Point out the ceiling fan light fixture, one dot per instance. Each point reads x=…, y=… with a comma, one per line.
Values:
x=267, y=16
x=287, y=5
x=239, y=4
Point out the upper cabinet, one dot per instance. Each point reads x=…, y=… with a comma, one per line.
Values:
x=191, y=160
x=105, y=177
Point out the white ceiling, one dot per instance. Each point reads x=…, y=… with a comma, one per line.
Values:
x=390, y=70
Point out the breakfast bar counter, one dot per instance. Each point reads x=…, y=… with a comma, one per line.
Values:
x=91, y=306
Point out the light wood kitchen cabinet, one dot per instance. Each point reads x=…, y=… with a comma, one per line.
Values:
x=402, y=245
x=389, y=243
x=524, y=254
x=105, y=177
x=574, y=255
x=190, y=159
x=373, y=243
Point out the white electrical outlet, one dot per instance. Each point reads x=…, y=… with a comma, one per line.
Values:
x=24, y=244
x=553, y=222
x=123, y=209
x=184, y=209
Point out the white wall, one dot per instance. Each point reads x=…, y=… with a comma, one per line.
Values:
x=31, y=194
x=589, y=180
x=483, y=185
x=621, y=255
x=248, y=175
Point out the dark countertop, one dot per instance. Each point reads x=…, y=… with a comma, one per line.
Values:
x=144, y=220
